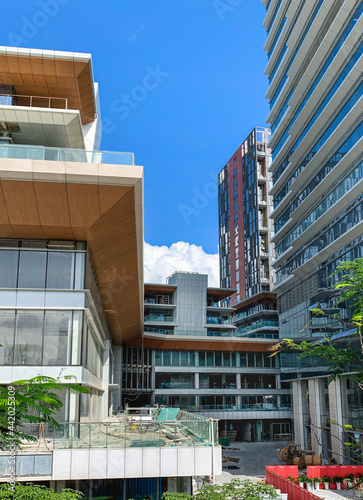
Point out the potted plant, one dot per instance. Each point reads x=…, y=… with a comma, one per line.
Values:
x=316, y=482
x=348, y=481
x=302, y=480
x=338, y=480
x=326, y=481
x=292, y=479
x=310, y=483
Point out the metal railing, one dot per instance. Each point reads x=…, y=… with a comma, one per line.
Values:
x=257, y=325
x=238, y=408
x=211, y=333
x=159, y=317
x=25, y=152
x=31, y=101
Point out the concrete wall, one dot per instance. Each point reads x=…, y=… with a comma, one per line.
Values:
x=136, y=462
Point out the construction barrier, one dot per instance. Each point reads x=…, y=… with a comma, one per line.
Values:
x=276, y=476
x=293, y=490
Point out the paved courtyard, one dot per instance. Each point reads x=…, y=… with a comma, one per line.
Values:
x=253, y=458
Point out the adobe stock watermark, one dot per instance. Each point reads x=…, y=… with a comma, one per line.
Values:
x=201, y=199
x=223, y=6
x=123, y=106
x=13, y=447
x=33, y=24
x=116, y=282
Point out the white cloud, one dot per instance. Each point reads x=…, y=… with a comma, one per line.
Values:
x=161, y=262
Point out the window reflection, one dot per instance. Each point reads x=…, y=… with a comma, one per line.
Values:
x=57, y=329
x=42, y=269
x=8, y=269
x=7, y=328
x=60, y=270
x=32, y=269
x=28, y=338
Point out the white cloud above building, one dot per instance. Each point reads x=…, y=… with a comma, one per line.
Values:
x=161, y=261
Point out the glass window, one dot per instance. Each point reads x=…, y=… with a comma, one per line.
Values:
x=258, y=359
x=251, y=360
x=184, y=358
x=7, y=329
x=32, y=269
x=167, y=358
x=201, y=358
x=8, y=268
x=218, y=358
x=203, y=381
x=243, y=359
x=158, y=358
x=60, y=273
x=267, y=361
x=57, y=331
x=28, y=338
x=175, y=358
x=210, y=358
x=226, y=359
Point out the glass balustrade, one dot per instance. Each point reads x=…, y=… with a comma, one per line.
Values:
x=26, y=152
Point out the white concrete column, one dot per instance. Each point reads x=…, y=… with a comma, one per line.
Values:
x=278, y=381
x=337, y=409
x=299, y=406
x=104, y=397
x=238, y=381
x=196, y=380
x=317, y=409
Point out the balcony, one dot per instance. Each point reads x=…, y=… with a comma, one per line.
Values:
x=33, y=101
x=261, y=177
x=256, y=310
x=256, y=407
x=159, y=317
x=325, y=322
x=214, y=320
x=262, y=226
x=26, y=152
x=257, y=325
x=158, y=331
x=237, y=333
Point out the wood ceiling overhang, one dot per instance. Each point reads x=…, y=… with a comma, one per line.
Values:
x=156, y=289
x=55, y=200
x=242, y=345
x=38, y=75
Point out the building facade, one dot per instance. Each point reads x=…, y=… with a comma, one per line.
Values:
x=315, y=91
x=72, y=291
x=245, y=229
x=200, y=362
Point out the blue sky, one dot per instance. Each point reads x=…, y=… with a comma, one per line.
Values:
x=205, y=93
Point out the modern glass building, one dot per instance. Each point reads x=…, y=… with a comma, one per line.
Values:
x=72, y=291
x=315, y=92
x=202, y=362
x=245, y=253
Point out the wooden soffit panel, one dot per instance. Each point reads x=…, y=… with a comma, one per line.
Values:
x=203, y=345
x=102, y=215
x=155, y=289
x=46, y=77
